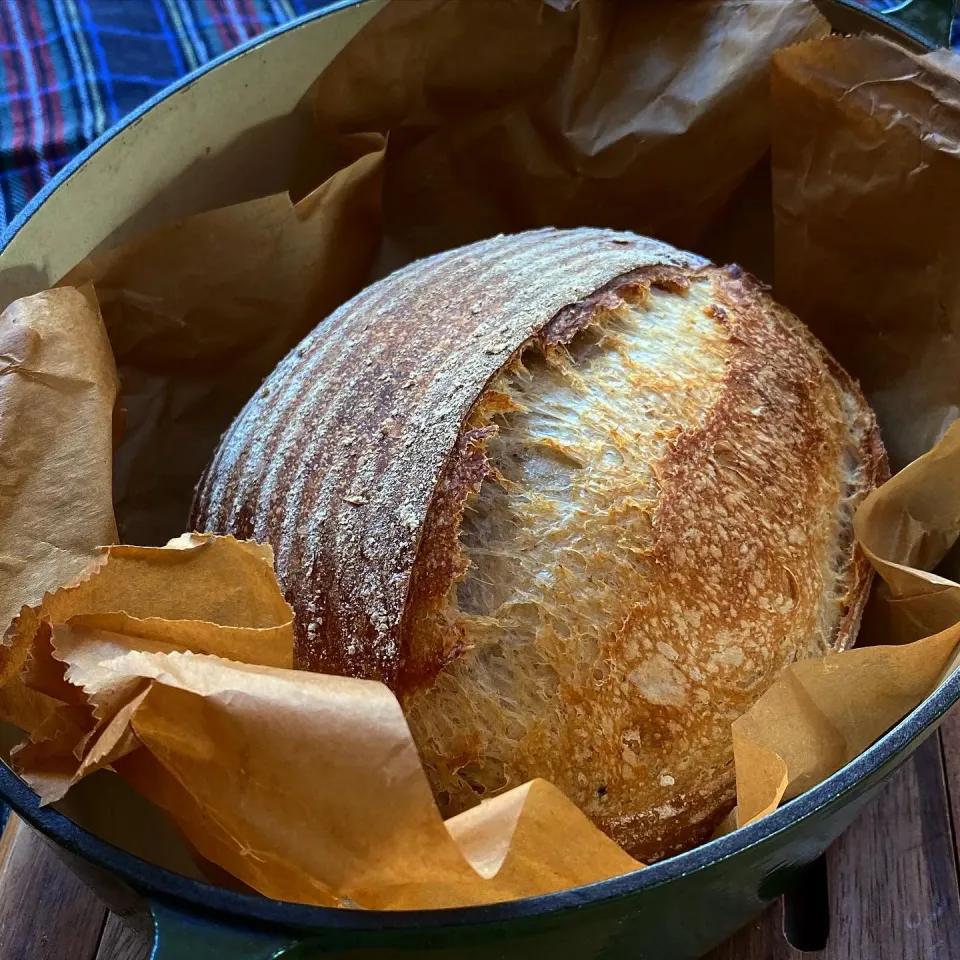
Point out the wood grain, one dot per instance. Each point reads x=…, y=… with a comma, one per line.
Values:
x=120, y=941
x=892, y=877
x=893, y=884
x=950, y=742
x=893, y=874
x=46, y=913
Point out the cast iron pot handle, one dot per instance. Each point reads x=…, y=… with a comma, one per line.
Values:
x=927, y=23
x=184, y=936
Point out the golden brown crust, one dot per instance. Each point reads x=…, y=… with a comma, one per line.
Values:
x=357, y=458
x=440, y=562
x=872, y=456
x=335, y=460
x=775, y=454
x=752, y=508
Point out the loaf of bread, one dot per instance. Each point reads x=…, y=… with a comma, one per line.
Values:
x=577, y=498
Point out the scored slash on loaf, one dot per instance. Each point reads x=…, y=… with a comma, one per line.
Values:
x=577, y=498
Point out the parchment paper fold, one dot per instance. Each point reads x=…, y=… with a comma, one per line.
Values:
x=450, y=121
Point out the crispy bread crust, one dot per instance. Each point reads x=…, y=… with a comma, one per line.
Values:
x=357, y=457
x=336, y=459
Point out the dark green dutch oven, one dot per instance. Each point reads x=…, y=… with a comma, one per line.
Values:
x=674, y=910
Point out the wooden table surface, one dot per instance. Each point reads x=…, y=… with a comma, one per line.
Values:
x=892, y=884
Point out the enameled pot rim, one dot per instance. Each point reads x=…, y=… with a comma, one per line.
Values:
x=192, y=894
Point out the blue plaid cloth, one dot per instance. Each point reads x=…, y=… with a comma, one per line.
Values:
x=72, y=68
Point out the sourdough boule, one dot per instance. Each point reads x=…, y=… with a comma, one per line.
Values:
x=577, y=498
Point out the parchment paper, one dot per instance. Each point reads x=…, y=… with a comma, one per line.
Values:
x=865, y=175
x=306, y=787
x=866, y=156
x=464, y=118
x=198, y=312
x=59, y=387
x=502, y=117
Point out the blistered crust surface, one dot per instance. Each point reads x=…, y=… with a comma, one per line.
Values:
x=578, y=498
x=336, y=458
x=666, y=526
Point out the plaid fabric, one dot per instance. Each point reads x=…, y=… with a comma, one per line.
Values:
x=72, y=68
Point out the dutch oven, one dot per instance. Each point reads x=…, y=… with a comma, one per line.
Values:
x=679, y=908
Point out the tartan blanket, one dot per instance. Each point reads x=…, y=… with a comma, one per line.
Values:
x=73, y=68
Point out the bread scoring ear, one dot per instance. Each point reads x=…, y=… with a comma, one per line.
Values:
x=337, y=457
